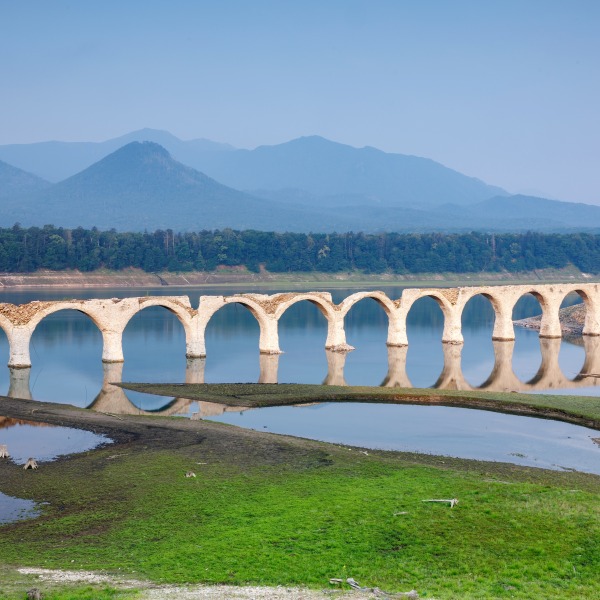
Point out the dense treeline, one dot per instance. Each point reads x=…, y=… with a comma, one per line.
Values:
x=27, y=250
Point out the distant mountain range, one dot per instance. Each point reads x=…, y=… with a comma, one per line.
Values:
x=308, y=184
x=16, y=182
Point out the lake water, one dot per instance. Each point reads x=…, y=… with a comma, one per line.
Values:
x=66, y=350
x=42, y=442
x=442, y=430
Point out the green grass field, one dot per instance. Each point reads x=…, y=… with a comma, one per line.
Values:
x=272, y=510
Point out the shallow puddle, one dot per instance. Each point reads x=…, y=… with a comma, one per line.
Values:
x=16, y=509
x=439, y=430
x=44, y=442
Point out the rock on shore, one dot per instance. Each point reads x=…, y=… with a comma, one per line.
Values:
x=571, y=318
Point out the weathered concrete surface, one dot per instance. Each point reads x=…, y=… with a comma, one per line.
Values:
x=112, y=316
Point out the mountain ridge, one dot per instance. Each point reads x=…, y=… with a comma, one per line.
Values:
x=314, y=164
x=141, y=185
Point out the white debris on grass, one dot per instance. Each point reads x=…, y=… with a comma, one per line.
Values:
x=151, y=591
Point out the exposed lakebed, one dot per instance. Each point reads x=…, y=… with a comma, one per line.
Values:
x=442, y=430
x=43, y=443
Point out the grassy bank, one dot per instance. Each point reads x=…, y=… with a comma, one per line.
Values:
x=274, y=510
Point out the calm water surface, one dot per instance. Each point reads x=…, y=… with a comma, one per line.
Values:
x=442, y=430
x=16, y=509
x=46, y=442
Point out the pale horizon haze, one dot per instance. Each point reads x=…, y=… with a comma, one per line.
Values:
x=504, y=91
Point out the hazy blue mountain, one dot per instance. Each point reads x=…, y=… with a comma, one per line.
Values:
x=140, y=186
x=326, y=169
x=15, y=182
x=326, y=172
x=536, y=213
x=56, y=161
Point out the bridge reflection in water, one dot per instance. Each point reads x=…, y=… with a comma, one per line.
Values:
x=113, y=399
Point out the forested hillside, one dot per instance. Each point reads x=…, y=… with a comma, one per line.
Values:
x=27, y=250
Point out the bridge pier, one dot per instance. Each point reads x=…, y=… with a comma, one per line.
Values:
x=550, y=325
x=452, y=326
x=19, y=338
x=336, y=334
x=269, y=335
x=194, y=370
x=19, y=383
x=397, y=329
x=591, y=325
x=112, y=346
x=195, y=345
x=504, y=329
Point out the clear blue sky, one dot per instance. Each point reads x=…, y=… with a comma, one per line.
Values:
x=507, y=91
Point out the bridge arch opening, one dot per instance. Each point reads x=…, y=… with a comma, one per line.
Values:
x=424, y=329
x=154, y=346
x=527, y=355
x=72, y=375
x=572, y=358
x=366, y=324
x=477, y=325
x=303, y=330
x=232, y=338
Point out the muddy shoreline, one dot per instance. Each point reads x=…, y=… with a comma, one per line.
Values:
x=266, y=395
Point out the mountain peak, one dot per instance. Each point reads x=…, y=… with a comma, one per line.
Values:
x=145, y=148
x=138, y=152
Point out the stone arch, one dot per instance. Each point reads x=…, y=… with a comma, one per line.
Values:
x=369, y=324
x=254, y=307
x=120, y=314
x=527, y=341
x=54, y=307
x=447, y=301
x=181, y=310
x=336, y=336
x=478, y=334
x=380, y=297
x=321, y=300
x=32, y=315
x=303, y=329
x=549, y=300
x=424, y=326
x=591, y=325
x=260, y=309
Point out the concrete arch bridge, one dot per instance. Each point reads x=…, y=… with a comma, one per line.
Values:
x=111, y=316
